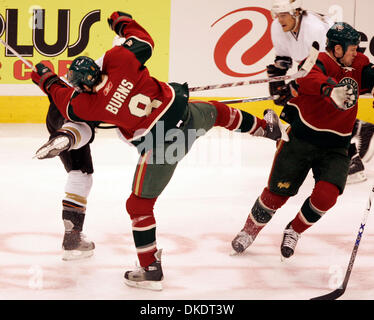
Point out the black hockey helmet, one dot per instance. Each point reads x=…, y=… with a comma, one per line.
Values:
x=83, y=71
x=344, y=34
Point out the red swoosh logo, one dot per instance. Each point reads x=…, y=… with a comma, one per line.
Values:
x=237, y=31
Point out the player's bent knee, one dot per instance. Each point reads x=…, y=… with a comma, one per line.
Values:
x=324, y=195
x=81, y=131
x=272, y=200
x=137, y=206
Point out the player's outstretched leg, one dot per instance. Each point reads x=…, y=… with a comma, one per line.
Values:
x=238, y=120
x=147, y=277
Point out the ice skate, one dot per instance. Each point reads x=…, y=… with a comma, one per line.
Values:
x=246, y=236
x=365, y=140
x=149, y=278
x=241, y=242
x=53, y=147
x=290, y=238
x=356, y=172
x=76, y=247
x=275, y=129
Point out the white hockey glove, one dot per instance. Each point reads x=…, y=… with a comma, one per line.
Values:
x=343, y=95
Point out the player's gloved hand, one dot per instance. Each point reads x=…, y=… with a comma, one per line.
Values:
x=284, y=93
x=342, y=95
x=43, y=77
x=119, y=20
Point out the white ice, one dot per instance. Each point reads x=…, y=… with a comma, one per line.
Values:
x=199, y=213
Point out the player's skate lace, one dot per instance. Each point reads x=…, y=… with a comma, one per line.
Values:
x=146, y=277
x=290, y=238
x=53, y=147
x=242, y=241
x=356, y=172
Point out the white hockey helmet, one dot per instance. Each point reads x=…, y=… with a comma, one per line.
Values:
x=289, y=6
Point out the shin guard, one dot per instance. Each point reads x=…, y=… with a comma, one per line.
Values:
x=323, y=198
x=143, y=227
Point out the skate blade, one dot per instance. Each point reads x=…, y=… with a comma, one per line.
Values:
x=147, y=285
x=70, y=255
x=52, y=150
x=356, y=178
x=234, y=253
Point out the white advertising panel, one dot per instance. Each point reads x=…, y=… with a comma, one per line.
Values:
x=220, y=41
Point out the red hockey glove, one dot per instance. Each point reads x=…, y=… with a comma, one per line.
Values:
x=43, y=77
x=119, y=20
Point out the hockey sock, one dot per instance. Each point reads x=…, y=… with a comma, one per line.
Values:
x=323, y=198
x=73, y=216
x=263, y=210
x=236, y=120
x=77, y=189
x=143, y=228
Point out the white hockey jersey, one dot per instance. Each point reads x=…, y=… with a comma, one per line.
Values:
x=313, y=28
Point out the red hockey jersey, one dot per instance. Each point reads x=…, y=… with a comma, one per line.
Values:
x=317, y=119
x=128, y=96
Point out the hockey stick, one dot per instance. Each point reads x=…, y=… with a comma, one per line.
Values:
x=249, y=99
x=304, y=70
x=17, y=55
x=340, y=291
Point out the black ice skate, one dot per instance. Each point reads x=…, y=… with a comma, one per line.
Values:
x=275, y=130
x=365, y=140
x=76, y=247
x=54, y=146
x=290, y=238
x=147, y=278
x=356, y=172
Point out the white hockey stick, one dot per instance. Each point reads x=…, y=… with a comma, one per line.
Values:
x=340, y=291
x=17, y=55
x=242, y=100
x=304, y=70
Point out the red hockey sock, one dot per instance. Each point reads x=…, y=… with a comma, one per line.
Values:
x=143, y=228
x=323, y=198
x=229, y=118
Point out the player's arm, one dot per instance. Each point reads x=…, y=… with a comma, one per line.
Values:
x=138, y=39
x=317, y=82
x=53, y=86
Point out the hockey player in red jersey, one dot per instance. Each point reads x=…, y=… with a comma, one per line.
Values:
x=321, y=123
x=150, y=114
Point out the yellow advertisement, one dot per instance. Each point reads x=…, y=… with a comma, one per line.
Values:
x=56, y=32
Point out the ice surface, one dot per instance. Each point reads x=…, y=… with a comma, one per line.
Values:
x=199, y=213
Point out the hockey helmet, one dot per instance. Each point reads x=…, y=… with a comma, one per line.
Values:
x=83, y=71
x=289, y=6
x=344, y=34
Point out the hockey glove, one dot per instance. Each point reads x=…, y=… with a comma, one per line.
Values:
x=285, y=93
x=343, y=96
x=44, y=77
x=119, y=20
